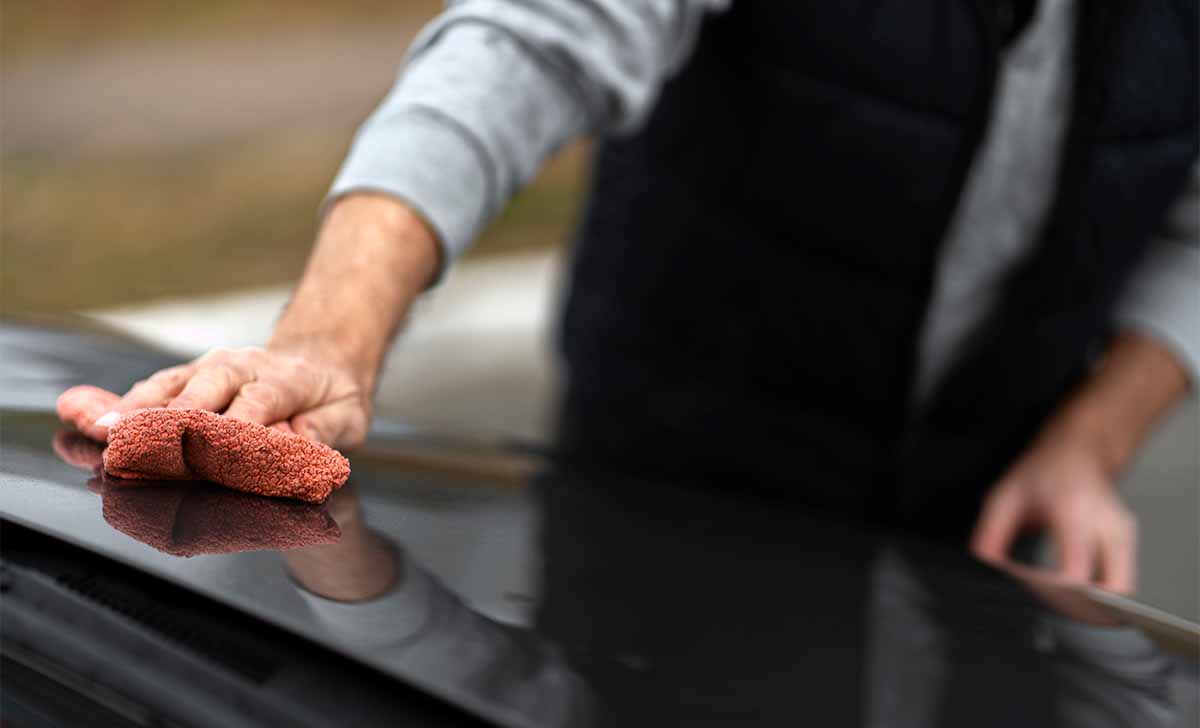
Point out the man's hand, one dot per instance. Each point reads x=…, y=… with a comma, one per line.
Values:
x=373, y=257
x=1066, y=482
x=314, y=395
x=1063, y=488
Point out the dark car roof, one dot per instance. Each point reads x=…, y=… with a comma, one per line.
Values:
x=536, y=595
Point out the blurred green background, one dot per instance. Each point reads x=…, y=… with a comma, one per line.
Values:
x=157, y=149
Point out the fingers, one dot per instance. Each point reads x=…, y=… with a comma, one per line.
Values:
x=341, y=424
x=269, y=401
x=295, y=398
x=77, y=450
x=213, y=386
x=288, y=387
x=998, y=525
x=151, y=392
x=82, y=406
x=1118, y=556
x=157, y=390
x=1103, y=552
x=1096, y=541
x=1072, y=496
x=1076, y=561
x=286, y=392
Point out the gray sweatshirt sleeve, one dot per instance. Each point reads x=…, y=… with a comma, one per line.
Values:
x=1163, y=298
x=491, y=88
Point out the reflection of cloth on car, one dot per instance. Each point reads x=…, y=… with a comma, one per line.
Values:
x=192, y=520
x=188, y=444
x=189, y=519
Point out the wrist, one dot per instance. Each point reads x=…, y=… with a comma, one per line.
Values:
x=1119, y=403
x=1089, y=431
x=373, y=257
x=330, y=351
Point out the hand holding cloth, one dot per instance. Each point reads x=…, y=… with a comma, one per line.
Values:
x=189, y=444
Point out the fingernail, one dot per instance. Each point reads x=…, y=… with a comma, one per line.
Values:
x=108, y=419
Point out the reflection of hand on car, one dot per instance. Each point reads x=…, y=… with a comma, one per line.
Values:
x=365, y=591
x=359, y=566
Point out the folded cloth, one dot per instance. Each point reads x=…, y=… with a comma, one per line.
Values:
x=189, y=444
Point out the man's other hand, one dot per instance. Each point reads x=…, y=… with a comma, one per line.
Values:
x=1065, y=490
x=312, y=394
x=1065, y=483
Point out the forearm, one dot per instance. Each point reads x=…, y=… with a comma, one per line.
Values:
x=372, y=258
x=1122, y=400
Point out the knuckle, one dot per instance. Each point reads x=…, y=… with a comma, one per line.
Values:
x=211, y=378
x=228, y=372
x=215, y=355
x=160, y=377
x=261, y=396
x=206, y=378
x=1125, y=525
x=250, y=356
x=279, y=369
x=170, y=375
x=1073, y=504
x=290, y=366
x=1069, y=521
x=309, y=427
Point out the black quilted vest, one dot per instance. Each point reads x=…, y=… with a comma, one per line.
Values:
x=754, y=266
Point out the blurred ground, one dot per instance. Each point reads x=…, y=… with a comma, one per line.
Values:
x=155, y=149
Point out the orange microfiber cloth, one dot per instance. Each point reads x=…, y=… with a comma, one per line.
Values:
x=189, y=444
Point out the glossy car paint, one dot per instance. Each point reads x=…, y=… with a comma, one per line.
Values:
x=569, y=598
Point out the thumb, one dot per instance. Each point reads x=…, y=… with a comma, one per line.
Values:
x=337, y=424
x=1118, y=564
x=1075, y=558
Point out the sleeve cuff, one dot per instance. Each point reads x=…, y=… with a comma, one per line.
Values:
x=1163, y=301
x=429, y=163
x=399, y=616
